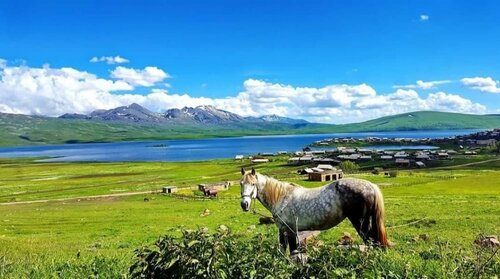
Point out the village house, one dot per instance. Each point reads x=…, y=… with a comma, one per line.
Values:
x=351, y=157
x=328, y=175
x=422, y=156
x=420, y=164
x=259, y=160
x=402, y=162
x=443, y=156
x=169, y=189
x=294, y=161
x=239, y=157
x=325, y=167
x=401, y=154
x=486, y=142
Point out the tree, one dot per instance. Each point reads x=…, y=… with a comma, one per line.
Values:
x=348, y=166
x=496, y=148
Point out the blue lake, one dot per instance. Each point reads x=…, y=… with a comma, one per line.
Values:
x=200, y=149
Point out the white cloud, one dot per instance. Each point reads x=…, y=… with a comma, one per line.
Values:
x=49, y=91
x=109, y=59
x=149, y=76
x=55, y=91
x=423, y=84
x=484, y=84
x=346, y=103
x=424, y=17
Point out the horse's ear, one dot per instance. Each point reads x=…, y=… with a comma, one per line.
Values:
x=253, y=171
x=242, y=171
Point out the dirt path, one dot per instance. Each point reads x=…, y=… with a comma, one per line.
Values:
x=82, y=198
x=468, y=164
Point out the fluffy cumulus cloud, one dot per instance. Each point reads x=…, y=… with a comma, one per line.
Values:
x=149, y=76
x=109, y=59
x=484, y=84
x=347, y=103
x=55, y=91
x=423, y=84
x=424, y=17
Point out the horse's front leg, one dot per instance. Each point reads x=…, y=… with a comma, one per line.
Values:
x=295, y=249
x=283, y=240
x=293, y=242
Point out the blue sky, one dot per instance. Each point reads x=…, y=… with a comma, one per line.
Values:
x=211, y=49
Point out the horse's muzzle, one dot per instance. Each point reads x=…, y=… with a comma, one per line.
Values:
x=245, y=205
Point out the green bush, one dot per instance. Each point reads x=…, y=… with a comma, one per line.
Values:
x=393, y=173
x=198, y=254
x=376, y=171
x=348, y=166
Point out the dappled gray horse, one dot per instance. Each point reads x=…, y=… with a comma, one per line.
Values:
x=296, y=208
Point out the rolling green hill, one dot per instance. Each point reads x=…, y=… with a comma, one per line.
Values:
x=426, y=120
x=28, y=130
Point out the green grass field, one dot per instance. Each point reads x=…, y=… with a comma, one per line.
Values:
x=84, y=237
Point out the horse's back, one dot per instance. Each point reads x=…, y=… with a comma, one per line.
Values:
x=355, y=193
x=355, y=185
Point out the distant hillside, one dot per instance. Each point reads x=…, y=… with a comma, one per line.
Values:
x=425, y=120
x=132, y=123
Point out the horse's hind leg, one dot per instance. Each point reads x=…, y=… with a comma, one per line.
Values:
x=283, y=240
x=360, y=224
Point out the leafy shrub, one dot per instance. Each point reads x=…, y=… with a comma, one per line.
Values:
x=376, y=171
x=393, y=173
x=198, y=254
x=348, y=166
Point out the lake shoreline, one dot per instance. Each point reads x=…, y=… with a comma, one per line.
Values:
x=195, y=149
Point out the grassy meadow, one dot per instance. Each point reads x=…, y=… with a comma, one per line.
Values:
x=50, y=228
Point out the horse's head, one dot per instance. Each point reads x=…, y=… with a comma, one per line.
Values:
x=248, y=188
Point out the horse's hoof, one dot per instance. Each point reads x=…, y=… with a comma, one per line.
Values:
x=298, y=258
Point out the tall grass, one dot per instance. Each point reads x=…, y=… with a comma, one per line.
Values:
x=199, y=254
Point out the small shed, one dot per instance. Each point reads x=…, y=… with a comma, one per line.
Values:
x=169, y=189
x=238, y=157
x=403, y=162
x=219, y=186
x=443, y=156
x=420, y=164
x=328, y=175
x=260, y=160
x=294, y=161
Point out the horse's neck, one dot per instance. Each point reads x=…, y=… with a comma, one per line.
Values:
x=264, y=186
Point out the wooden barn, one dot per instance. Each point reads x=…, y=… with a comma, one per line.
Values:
x=328, y=175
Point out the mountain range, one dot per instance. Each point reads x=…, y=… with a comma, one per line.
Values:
x=135, y=113
x=133, y=122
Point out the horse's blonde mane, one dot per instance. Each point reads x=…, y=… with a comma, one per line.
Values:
x=274, y=190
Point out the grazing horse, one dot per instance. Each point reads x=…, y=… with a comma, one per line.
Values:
x=297, y=209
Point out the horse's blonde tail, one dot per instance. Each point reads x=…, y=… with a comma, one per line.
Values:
x=378, y=219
